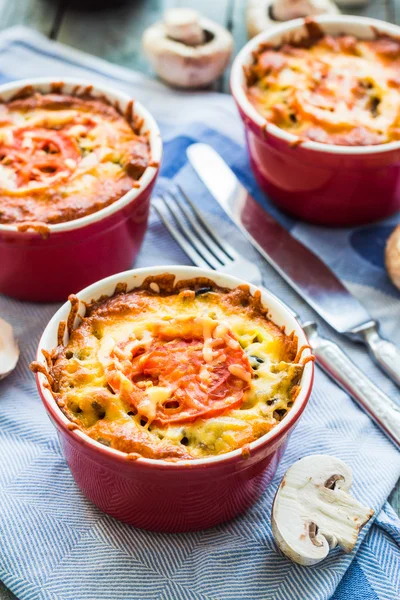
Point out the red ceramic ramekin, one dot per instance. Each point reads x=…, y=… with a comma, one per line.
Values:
x=172, y=496
x=320, y=183
x=78, y=252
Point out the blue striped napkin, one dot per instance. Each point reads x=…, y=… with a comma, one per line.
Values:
x=54, y=545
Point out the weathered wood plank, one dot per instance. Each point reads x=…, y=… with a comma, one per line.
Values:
x=217, y=10
x=394, y=10
x=116, y=34
x=378, y=9
x=5, y=593
x=239, y=28
x=38, y=14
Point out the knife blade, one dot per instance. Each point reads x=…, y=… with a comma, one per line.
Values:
x=309, y=276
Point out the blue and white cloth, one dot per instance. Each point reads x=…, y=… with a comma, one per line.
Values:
x=54, y=545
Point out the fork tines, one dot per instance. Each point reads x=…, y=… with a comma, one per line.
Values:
x=191, y=231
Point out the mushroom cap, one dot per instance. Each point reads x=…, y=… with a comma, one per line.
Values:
x=9, y=352
x=392, y=256
x=187, y=66
x=263, y=14
x=312, y=511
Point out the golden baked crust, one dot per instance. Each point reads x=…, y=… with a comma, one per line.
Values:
x=63, y=157
x=175, y=371
x=334, y=90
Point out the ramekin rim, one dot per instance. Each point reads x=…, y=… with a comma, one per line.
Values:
x=156, y=151
x=289, y=420
x=238, y=93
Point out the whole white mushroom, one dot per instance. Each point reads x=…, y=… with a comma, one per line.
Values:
x=263, y=14
x=187, y=50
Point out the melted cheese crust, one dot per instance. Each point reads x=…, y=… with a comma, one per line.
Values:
x=266, y=380
x=337, y=90
x=64, y=157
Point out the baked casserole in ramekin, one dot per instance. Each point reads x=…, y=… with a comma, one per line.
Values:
x=173, y=390
x=320, y=102
x=77, y=166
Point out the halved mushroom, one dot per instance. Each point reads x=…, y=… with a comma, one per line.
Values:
x=312, y=511
x=9, y=352
x=262, y=14
x=187, y=50
x=392, y=256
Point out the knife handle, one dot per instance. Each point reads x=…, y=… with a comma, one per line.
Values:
x=385, y=353
x=343, y=371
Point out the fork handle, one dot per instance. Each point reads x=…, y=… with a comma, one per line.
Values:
x=348, y=376
x=385, y=353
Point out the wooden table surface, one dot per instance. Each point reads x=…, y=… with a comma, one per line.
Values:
x=115, y=35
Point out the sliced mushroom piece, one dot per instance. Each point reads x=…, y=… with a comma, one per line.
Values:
x=9, y=352
x=312, y=511
x=263, y=14
x=392, y=256
x=187, y=50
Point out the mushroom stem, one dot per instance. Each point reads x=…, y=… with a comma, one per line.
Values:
x=313, y=532
x=331, y=482
x=183, y=25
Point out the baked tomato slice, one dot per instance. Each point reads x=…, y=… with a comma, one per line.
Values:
x=38, y=142
x=40, y=154
x=196, y=388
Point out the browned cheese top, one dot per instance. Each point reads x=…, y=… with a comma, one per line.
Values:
x=184, y=371
x=63, y=157
x=334, y=90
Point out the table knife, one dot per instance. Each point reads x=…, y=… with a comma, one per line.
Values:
x=299, y=266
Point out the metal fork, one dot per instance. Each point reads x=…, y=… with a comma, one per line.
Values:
x=200, y=241
x=207, y=250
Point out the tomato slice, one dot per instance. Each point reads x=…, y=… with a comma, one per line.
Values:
x=198, y=389
x=39, y=141
x=40, y=155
